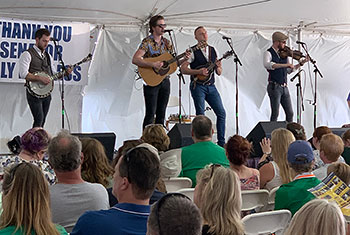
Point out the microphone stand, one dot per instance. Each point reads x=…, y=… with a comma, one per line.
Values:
x=62, y=81
x=300, y=103
x=237, y=61
x=180, y=75
x=316, y=71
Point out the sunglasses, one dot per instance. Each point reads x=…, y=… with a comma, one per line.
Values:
x=212, y=167
x=161, y=25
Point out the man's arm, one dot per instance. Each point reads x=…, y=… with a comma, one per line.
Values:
x=218, y=69
x=186, y=70
x=270, y=65
x=138, y=60
x=24, y=63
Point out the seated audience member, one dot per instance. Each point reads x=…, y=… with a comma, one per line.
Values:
x=331, y=146
x=203, y=151
x=174, y=214
x=297, y=130
x=129, y=144
x=318, y=217
x=26, y=202
x=340, y=169
x=346, y=140
x=237, y=150
x=71, y=196
x=218, y=196
x=276, y=172
x=95, y=167
x=34, y=144
x=316, y=140
x=294, y=195
x=135, y=178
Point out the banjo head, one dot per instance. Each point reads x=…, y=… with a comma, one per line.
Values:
x=39, y=89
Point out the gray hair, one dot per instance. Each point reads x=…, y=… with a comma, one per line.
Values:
x=65, y=152
x=174, y=215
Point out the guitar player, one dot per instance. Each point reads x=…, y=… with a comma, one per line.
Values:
x=156, y=97
x=206, y=91
x=36, y=59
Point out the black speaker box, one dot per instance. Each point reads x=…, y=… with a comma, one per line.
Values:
x=339, y=131
x=106, y=139
x=261, y=130
x=180, y=135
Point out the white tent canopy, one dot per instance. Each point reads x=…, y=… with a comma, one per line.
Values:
x=113, y=100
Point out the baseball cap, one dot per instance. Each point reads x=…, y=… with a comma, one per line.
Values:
x=300, y=152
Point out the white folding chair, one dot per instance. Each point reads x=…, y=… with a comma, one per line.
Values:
x=269, y=222
x=271, y=200
x=176, y=183
x=189, y=192
x=254, y=199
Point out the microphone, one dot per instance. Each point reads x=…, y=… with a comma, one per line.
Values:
x=168, y=30
x=296, y=75
x=299, y=42
x=53, y=39
x=225, y=38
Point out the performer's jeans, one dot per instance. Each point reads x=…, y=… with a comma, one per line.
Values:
x=209, y=93
x=156, y=101
x=39, y=108
x=279, y=95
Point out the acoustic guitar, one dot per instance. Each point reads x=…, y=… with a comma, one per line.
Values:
x=154, y=77
x=202, y=79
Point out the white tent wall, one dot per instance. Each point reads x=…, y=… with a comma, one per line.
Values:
x=113, y=100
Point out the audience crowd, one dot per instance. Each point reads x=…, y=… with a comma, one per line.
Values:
x=63, y=184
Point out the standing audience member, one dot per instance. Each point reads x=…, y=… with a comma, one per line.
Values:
x=71, y=196
x=297, y=130
x=34, y=143
x=203, y=151
x=276, y=172
x=218, y=196
x=346, y=140
x=26, y=203
x=317, y=217
x=95, y=167
x=135, y=178
x=174, y=214
x=331, y=147
x=237, y=150
x=294, y=195
x=341, y=170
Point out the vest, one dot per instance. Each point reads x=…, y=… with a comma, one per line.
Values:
x=277, y=75
x=39, y=64
x=200, y=60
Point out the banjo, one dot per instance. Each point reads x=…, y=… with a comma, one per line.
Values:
x=41, y=90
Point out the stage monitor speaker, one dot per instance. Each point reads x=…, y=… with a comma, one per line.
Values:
x=339, y=131
x=106, y=139
x=261, y=130
x=180, y=135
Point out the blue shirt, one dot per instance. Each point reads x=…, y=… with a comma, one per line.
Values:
x=123, y=218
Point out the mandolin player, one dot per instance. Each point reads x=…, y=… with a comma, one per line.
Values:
x=278, y=67
x=36, y=59
x=206, y=91
x=156, y=97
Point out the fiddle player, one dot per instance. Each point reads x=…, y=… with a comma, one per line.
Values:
x=278, y=68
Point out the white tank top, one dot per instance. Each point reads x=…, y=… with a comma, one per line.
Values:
x=276, y=180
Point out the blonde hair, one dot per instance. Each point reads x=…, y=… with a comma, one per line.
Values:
x=316, y=217
x=332, y=146
x=26, y=201
x=95, y=167
x=342, y=170
x=281, y=138
x=154, y=134
x=220, y=200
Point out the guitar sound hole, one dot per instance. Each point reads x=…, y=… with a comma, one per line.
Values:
x=164, y=69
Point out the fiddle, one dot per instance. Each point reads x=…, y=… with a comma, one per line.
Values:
x=287, y=52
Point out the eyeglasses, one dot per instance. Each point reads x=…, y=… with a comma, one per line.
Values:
x=161, y=202
x=212, y=167
x=161, y=25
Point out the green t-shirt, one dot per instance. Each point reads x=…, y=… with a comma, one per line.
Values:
x=198, y=155
x=346, y=155
x=294, y=195
x=10, y=229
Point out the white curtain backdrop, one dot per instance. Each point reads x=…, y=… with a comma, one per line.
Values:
x=113, y=100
